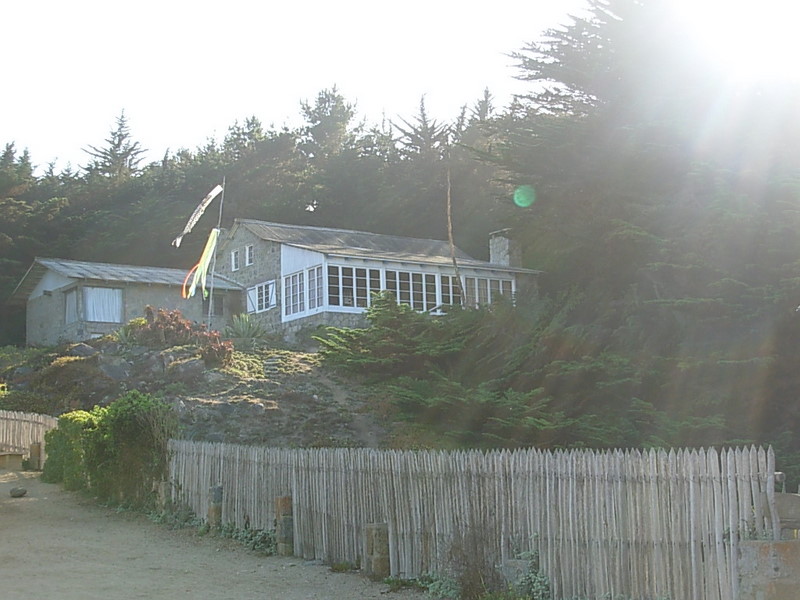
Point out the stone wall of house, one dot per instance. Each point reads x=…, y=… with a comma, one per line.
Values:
x=266, y=267
x=136, y=297
x=294, y=331
x=45, y=316
x=44, y=320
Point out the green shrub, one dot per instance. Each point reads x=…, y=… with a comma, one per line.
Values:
x=127, y=335
x=116, y=452
x=26, y=401
x=243, y=327
x=262, y=541
x=127, y=452
x=66, y=448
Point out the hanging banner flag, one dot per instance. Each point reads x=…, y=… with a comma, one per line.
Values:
x=200, y=270
x=198, y=212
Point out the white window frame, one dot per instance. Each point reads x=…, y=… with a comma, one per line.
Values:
x=481, y=291
x=351, y=287
x=236, y=262
x=294, y=294
x=249, y=255
x=261, y=297
x=315, y=284
x=417, y=289
x=71, y=306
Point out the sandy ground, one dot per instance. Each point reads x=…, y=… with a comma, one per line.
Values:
x=57, y=544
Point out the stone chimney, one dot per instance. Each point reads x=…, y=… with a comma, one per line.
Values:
x=503, y=250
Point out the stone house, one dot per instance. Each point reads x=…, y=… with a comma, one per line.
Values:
x=70, y=300
x=296, y=277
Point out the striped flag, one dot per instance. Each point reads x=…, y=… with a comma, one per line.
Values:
x=198, y=212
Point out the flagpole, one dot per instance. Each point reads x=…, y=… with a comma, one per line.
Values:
x=214, y=259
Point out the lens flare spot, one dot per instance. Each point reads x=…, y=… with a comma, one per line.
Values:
x=524, y=196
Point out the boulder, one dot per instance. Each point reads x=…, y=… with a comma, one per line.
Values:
x=82, y=350
x=17, y=492
x=186, y=370
x=115, y=367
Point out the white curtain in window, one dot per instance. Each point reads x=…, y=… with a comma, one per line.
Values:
x=102, y=305
x=70, y=306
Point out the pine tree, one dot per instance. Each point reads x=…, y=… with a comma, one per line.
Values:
x=119, y=160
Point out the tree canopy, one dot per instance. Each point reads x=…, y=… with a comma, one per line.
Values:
x=665, y=214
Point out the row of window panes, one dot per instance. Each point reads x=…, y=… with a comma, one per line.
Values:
x=249, y=257
x=352, y=287
x=418, y=290
x=481, y=291
x=349, y=286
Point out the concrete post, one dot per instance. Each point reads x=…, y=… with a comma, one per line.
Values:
x=163, y=491
x=376, y=551
x=284, y=526
x=35, y=460
x=215, y=507
x=769, y=570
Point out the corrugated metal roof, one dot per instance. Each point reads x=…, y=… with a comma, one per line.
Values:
x=361, y=244
x=76, y=269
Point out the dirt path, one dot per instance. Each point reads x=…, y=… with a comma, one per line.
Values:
x=56, y=544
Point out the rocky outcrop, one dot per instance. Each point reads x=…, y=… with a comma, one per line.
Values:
x=280, y=398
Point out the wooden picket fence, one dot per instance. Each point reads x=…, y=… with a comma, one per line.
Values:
x=640, y=524
x=18, y=430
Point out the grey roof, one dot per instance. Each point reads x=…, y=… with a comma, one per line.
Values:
x=361, y=244
x=76, y=269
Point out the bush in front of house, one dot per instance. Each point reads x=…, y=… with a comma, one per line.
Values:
x=167, y=328
x=116, y=452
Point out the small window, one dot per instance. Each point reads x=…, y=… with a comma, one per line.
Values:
x=249, y=255
x=216, y=308
x=102, y=305
x=261, y=297
x=235, y=260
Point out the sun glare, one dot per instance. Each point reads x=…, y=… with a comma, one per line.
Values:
x=749, y=40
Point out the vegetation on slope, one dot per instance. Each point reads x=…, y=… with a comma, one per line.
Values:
x=666, y=216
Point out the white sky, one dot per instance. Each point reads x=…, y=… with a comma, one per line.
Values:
x=184, y=71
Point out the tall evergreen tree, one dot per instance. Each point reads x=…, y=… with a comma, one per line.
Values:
x=329, y=125
x=119, y=159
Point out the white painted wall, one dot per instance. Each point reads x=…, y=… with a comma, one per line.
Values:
x=49, y=282
x=297, y=259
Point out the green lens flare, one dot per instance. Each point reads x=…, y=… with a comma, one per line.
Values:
x=524, y=196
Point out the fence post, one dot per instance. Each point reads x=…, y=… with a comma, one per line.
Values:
x=376, y=550
x=284, y=526
x=215, y=506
